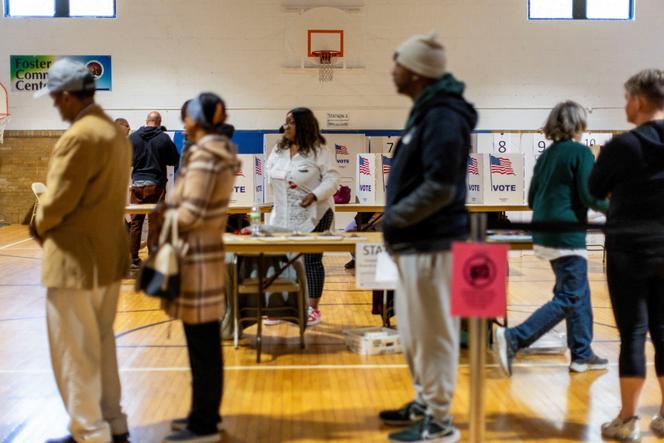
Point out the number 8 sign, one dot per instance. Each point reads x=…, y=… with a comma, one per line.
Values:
x=502, y=143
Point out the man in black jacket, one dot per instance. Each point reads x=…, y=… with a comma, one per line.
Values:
x=153, y=152
x=630, y=169
x=424, y=213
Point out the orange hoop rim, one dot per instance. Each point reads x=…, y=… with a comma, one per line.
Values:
x=325, y=54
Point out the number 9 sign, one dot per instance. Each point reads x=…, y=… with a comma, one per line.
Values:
x=539, y=145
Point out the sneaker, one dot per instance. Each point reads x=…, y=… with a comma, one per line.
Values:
x=188, y=436
x=622, y=430
x=428, y=430
x=501, y=354
x=117, y=438
x=313, y=316
x=350, y=264
x=136, y=264
x=592, y=363
x=657, y=425
x=180, y=424
x=408, y=415
x=270, y=321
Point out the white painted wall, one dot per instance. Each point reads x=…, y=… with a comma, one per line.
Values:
x=165, y=51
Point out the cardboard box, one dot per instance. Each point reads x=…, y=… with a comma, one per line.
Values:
x=371, y=178
x=249, y=184
x=373, y=341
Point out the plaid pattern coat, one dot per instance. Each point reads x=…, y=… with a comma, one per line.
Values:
x=201, y=195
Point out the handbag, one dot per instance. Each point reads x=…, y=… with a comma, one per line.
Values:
x=160, y=274
x=342, y=196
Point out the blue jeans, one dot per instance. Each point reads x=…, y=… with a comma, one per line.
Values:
x=571, y=301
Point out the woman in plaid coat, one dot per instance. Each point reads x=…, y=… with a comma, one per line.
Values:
x=201, y=195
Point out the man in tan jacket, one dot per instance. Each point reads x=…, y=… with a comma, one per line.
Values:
x=79, y=224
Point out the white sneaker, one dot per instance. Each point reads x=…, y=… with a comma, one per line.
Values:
x=313, y=316
x=269, y=321
x=657, y=425
x=622, y=430
x=501, y=353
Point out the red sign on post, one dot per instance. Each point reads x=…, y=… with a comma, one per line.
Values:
x=479, y=279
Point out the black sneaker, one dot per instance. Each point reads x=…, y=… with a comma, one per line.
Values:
x=179, y=424
x=592, y=363
x=350, y=264
x=406, y=416
x=428, y=430
x=135, y=264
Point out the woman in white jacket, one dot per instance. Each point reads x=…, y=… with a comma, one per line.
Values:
x=303, y=176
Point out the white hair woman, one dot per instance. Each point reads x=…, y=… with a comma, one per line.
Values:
x=559, y=193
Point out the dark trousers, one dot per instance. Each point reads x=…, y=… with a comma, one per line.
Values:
x=207, y=376
x=636, y=288
x=313, y=263
x=140, y=195
x=571, y=302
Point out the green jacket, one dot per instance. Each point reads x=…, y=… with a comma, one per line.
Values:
x=559, y=192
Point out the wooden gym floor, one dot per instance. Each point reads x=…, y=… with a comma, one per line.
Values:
x=324, y=393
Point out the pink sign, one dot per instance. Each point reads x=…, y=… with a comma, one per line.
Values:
x=479, y=279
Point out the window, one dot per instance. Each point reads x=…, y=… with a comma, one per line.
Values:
x=581, y=9
x=59, y=8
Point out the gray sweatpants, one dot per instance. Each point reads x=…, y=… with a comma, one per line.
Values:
x=429, y=334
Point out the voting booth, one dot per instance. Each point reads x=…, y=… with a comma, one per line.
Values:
x=249, y=184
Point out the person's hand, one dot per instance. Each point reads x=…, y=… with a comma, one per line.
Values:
x=308, y=200
x=34, y=234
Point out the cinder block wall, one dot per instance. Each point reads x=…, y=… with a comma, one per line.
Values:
x=23, y=160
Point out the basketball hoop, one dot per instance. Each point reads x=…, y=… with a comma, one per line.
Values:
x=4, y=119
x=326, y=61
x=4, y=111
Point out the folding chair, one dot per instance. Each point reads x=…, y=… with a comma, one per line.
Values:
x=38, y=189
x=249, y=313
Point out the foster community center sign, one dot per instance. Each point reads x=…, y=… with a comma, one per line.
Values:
x=28, y=73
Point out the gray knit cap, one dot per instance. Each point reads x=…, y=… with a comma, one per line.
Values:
x=423, y=54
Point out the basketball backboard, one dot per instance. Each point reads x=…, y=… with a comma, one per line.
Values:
x=325, y=40
x=324, y=29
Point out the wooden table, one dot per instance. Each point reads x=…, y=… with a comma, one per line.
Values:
x=147, y=208
x=350, y=207
x=315, y=243
x=356, y=207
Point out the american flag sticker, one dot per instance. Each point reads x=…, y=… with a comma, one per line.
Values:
x=259, y=166
x=501, y=165
x=364, y=166
x=238, y=172
x=472, y=166
x=341, y=149
x=387, y=164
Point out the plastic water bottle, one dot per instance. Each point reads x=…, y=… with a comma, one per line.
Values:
x=255, y=220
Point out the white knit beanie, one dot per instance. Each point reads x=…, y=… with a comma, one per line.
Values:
x=423, y=54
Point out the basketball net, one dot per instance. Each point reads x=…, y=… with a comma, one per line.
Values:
x=326, y=61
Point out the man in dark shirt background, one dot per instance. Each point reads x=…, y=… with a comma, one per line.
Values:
x=153, y=152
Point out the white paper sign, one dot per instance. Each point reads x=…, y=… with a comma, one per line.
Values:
x=591, y=139
x=540, y=143
x=386, y=269
x=338, y=120
x=366, y=267
x=503, y=143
